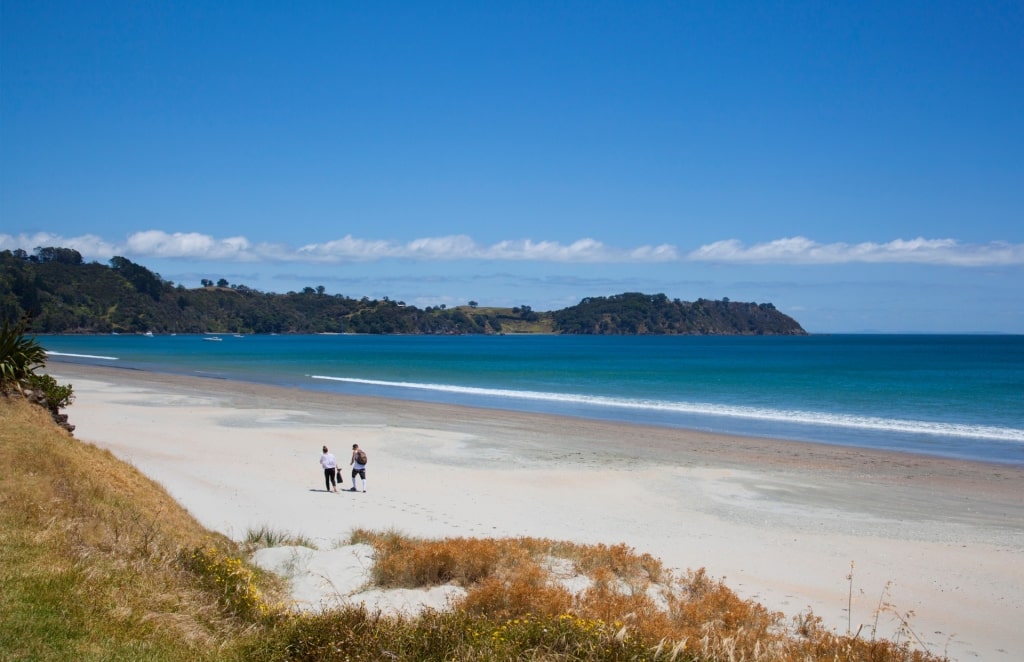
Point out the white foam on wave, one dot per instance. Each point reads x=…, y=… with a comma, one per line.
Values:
x=82, y=356
x=732, y=411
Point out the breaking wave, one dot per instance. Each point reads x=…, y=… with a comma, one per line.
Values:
x=789, y=416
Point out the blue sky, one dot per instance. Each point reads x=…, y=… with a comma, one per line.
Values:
x=860, y=165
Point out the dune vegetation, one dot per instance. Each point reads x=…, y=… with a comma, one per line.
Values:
x=98, y=562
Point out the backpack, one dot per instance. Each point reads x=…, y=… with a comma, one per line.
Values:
x=361, y=456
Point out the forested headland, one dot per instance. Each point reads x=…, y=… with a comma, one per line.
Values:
x=61, y=293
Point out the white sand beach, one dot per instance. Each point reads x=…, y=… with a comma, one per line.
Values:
x=780, y=521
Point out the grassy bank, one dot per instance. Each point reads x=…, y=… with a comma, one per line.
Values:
x=97, y=562
x=89, y=555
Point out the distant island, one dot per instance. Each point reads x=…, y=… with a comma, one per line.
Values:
x=63, y=294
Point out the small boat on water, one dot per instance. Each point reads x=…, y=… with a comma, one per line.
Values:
x=148, y=334
x=212, y=339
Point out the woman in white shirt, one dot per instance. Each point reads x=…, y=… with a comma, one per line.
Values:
x=330, y=466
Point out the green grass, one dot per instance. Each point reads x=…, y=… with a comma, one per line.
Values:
x=511, y=323
x=97, y=562
x=266, y=536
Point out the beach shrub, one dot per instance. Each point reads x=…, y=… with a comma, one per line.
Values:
x=58, y=396
x=20, y=356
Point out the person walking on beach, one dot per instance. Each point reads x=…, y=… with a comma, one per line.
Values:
x=358, y=466
x=330, y=465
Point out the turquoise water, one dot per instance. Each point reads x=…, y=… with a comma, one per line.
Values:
x=953, y=396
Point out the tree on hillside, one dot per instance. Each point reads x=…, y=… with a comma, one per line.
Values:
x=141, y=278
x=62, y=255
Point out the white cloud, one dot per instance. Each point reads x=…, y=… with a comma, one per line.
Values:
x=583, y=250
x=154, y=243
x=790, y=250
x=455, y=247
x=348, y=248
x=90, y=246
x=801, y=250
x=462, y=247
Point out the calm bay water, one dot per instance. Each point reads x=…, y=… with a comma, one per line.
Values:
x=953, y=396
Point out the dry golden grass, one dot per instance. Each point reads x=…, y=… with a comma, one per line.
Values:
x=507, y=579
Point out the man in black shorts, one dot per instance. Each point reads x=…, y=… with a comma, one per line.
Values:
x=358, y=467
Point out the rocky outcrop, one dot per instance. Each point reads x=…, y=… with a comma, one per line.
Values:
x=38, y=397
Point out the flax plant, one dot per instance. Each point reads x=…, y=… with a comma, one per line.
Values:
x=20, y=355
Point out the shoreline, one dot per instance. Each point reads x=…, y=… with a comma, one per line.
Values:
x=683, y=429
x=779, y=521
x=671, y=382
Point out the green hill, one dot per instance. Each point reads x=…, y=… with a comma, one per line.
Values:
x=64, y=294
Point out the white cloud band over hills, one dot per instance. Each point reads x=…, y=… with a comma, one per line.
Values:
x=800, y=250
x=791, y=250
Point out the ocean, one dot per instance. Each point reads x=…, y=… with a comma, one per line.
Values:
x=950, y=396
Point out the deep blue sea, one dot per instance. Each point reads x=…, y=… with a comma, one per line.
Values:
x=951, y=396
